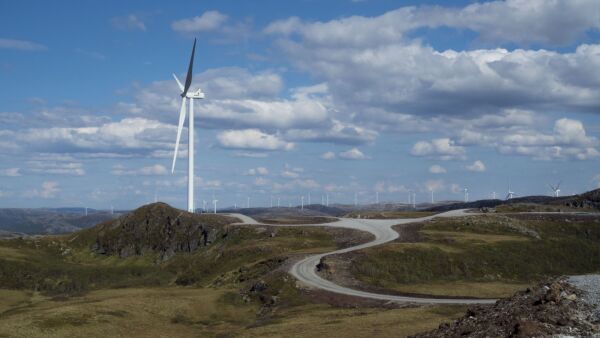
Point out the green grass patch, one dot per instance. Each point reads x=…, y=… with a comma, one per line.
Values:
x=482, y=256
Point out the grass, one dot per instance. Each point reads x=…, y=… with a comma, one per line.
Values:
x=325, y=321
x=389, y=214
x=489, y=256
x=207, y=312
x=140, y=312
x=56, y=287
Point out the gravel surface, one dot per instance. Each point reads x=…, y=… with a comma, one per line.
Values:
x=590, y=285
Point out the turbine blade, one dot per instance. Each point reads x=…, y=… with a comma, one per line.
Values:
x=178, y=82
x=179, y=128
x=188, y=78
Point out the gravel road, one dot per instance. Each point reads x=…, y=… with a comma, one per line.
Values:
x=305, y=269
x=590, y=285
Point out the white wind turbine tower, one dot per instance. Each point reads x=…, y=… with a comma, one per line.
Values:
x=466, y=195
x=248, y=202
x=214, y=205
x=414, y=199
x=431, y=196
x=555, y=189
x=185, y=95
x=326, y=200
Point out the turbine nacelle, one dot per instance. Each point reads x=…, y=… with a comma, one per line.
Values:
x=198, y=94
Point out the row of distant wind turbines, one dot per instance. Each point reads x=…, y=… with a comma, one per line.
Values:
x=412, y=197
x=187, y=95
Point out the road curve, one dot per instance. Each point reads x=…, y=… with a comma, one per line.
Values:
x=305, y=270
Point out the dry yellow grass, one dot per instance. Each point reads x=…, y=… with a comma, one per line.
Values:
x=167, y=312
x=470, y=237
x=191, y=312
x=325, y=321
x=461, y=289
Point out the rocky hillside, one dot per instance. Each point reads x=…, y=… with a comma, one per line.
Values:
x=154, y=229
x=554, y=308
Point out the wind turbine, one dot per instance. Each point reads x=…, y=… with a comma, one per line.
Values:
x=414, y=199
x=431, y=196
x=327, y=200
x=186, y=94
x=555, y=189
x=278, y=202
x=466, y=195
x=377, y=197
x=302, y=202
x=247, y=201
x=511, y=194
x=204, y=206
x=309, y=198
x=215, y=205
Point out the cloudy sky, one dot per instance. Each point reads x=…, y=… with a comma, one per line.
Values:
x=303, y=97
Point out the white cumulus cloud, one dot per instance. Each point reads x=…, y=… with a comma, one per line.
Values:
x=477, y=166
x=252, y=139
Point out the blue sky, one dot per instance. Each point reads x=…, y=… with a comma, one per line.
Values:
x=336, y=97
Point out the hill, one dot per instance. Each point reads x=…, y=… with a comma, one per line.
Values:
x=588, y=200
x=156, y=228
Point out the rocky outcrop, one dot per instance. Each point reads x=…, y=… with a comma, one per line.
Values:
x=158, y=228
x=553, y=308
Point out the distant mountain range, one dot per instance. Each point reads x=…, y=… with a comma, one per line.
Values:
x=588, y=200
x=50, y=221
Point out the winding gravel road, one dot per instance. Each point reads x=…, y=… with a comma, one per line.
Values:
x=305, y=270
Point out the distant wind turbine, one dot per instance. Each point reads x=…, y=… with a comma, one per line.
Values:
x=186, y=94
x=215, y=205
x=555, y=189
x=466, y=195
x=511, y=194
x=301, y=202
